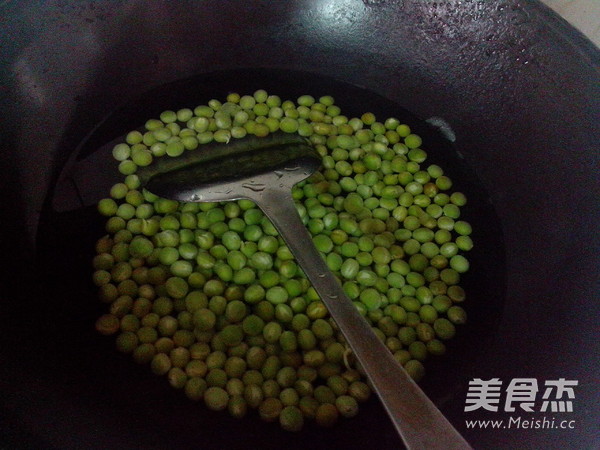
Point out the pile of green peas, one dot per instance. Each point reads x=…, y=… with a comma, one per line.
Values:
x=209, y=295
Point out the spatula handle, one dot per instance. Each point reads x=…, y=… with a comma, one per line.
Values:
x=418, y=421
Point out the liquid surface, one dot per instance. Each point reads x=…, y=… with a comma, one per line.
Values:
x=66, y=238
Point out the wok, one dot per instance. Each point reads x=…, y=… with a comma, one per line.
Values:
x=514, y=94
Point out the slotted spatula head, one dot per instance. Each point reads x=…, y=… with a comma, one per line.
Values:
x=231, y=171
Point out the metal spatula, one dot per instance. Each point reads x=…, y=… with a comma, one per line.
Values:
x=264, y=170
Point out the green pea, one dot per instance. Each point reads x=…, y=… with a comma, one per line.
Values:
x=424, y=295
x=464, y=243
x=444, y=329
x=288, y=341
x=204, y=319
x=418, y=349
x=177, y=287
x=272, y=332
x=415, y=279
x=456, y=293
x=284, y=313
x=314, y=358
x=216, y=398
x=322, y=329
x=289, y=397
x=418, y=262
x=371, y=298
x=232, y=335
x=291, y=418
x=195, y=388
x=459, y=263
x=160, y=364
x=253, y=325
x=415, y=369
x=244, y=276
x=439, y=262
x=254, y=294
x=349, y=269
x=457, y=315
x=181, y=269
x=451, y=210
x=366, y=277
x=347, y=406
x=237, y=405
x=323, y=243
x=271, y=408
x=261, y=261
x=441, y=303
x=326, y=415
x=450, y=276
x=277, y=295
x=429, y=249
x=462, y=227
x=236, y=260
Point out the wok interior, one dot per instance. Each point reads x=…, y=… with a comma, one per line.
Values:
x=518, y=86
x=66, y=248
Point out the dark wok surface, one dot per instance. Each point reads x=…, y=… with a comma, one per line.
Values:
x=519, y=88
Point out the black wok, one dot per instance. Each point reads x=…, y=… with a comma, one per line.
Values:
x=519, y=89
